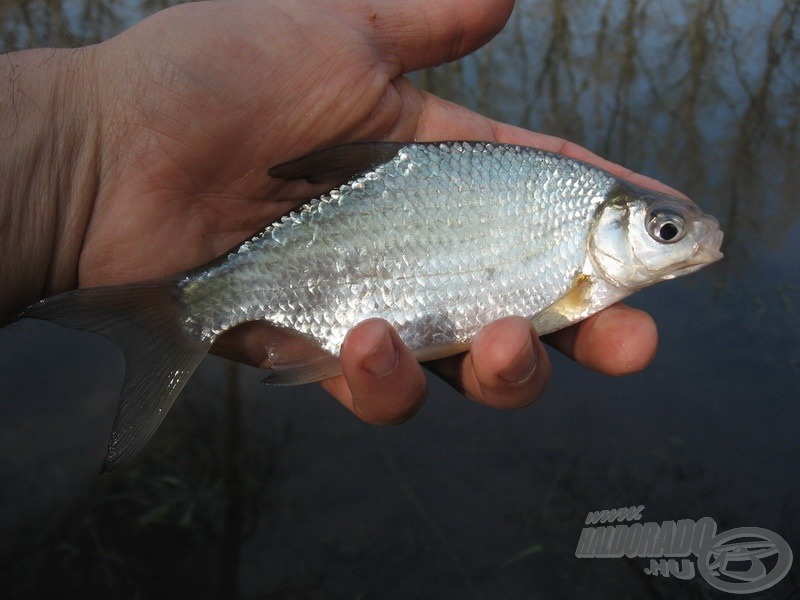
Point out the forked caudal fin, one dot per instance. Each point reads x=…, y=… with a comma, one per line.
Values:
x=145, y=321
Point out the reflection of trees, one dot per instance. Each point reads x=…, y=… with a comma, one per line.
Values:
x=620, y=112
x=34, y=23
x=766, y=142
x=702, y=93
x=66, y=23
x=707, y=28
x=553, y=80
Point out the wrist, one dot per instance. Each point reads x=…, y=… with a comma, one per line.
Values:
x=48, y=171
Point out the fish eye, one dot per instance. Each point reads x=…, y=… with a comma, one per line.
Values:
x=666, y=226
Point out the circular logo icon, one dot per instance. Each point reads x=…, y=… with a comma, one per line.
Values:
x=733, y=561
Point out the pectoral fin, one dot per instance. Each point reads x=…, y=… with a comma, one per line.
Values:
x=573, y=306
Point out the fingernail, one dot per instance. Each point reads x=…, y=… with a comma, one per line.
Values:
x=523, y=367
x=382, y=361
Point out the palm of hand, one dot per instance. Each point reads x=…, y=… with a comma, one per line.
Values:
x=192, y=181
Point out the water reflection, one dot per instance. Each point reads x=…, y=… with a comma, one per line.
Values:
x=69, y=23
x=703, y=94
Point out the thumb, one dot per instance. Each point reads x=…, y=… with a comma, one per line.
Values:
x=416, y=34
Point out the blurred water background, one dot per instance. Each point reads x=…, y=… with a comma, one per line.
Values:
x=259, y=493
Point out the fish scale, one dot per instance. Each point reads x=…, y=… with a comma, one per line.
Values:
x=436, y=230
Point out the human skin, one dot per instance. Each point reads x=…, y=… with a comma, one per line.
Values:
x=147, y=155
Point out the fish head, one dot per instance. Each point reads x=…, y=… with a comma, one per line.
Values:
x=640, y=237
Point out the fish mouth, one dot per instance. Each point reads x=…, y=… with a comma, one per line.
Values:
x=708, y=248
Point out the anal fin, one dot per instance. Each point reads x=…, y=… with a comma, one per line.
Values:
x=293, y=359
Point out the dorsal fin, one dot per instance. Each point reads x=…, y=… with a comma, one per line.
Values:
x=338, y=164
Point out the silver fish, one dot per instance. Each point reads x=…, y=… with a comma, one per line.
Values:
x=437, y=238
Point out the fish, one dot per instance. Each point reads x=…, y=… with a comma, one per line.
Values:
x=438, y=238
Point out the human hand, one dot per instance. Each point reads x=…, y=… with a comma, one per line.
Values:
x=187, y=110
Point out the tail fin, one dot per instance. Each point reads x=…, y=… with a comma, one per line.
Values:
x=145, y=321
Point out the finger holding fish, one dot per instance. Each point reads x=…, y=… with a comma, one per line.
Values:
x=507, y=366
x=382, y=383
x=618, y=340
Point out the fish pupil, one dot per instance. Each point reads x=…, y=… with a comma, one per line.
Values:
x=668, y=231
